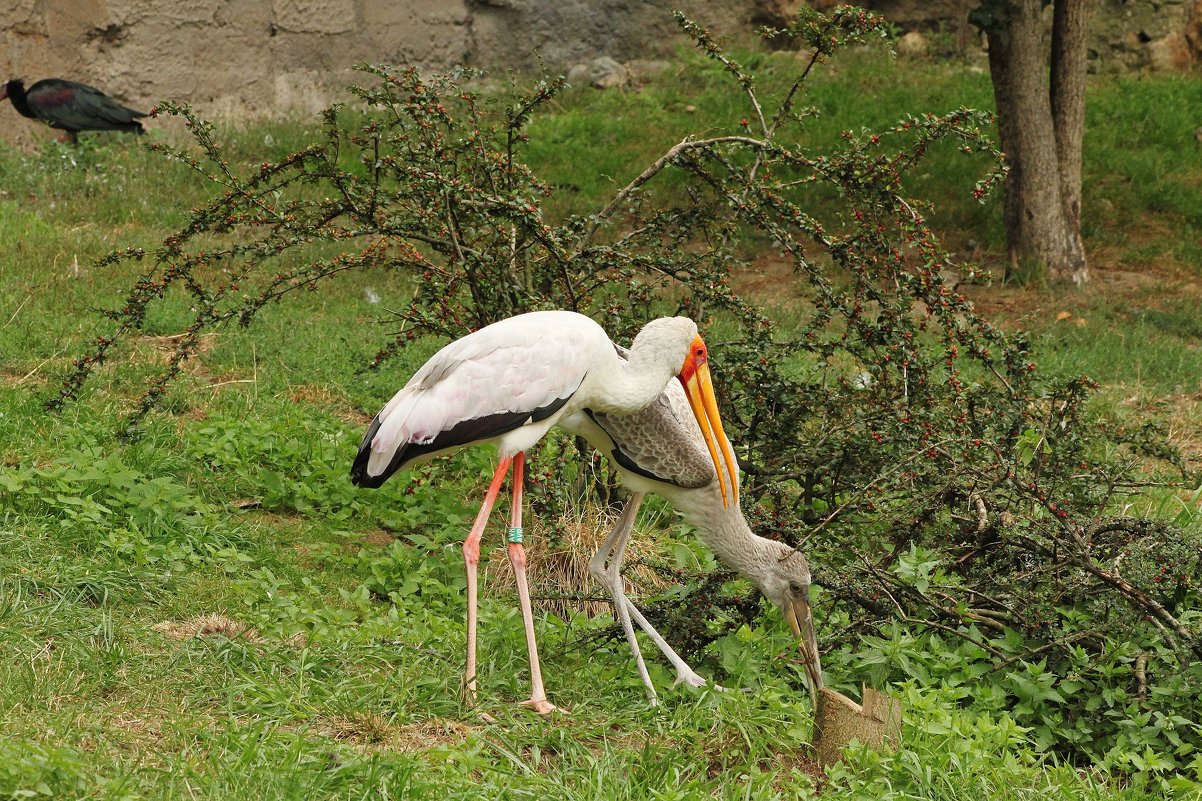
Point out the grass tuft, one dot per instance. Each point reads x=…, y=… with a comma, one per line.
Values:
x=334, y=668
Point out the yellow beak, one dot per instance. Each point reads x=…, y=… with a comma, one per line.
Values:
x=699, y=389
x=801, y=621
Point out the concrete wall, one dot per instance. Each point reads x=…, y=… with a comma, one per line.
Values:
x=241, y=58
x=255, y=57
x=227, y=57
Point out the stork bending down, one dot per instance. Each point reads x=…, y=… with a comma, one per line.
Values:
x=661, y=449
x=508, y=384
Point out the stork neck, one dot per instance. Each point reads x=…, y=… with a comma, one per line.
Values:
x=632, y=385
x=725, y=531
x=735, y=545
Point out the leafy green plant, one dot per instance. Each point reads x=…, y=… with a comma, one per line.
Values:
x=1125, y=708
x=935, y=474
x=28, y=770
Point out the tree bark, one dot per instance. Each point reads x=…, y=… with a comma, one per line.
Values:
x=1041, y=131
x=1068, y=100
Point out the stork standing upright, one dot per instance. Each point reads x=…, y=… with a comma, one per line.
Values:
x=508, y=384
x=662, y=450
x=70, y=107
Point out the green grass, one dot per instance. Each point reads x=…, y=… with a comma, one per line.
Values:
x=618, y=133
x=346, y=683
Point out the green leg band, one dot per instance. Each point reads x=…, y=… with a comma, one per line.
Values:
x=515, y=534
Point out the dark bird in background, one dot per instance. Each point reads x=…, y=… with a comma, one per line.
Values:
x=70, y=107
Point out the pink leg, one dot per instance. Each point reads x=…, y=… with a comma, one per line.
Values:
x=471, y=558
x=517, y=558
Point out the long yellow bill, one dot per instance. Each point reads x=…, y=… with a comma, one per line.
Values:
x=801, y=621
x=699, y=389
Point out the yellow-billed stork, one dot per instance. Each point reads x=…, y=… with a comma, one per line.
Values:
x=661, y=449
x=508, y=384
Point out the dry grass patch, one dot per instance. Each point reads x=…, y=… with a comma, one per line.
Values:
x=335, y=402
x=160, y=349
x=214, y=624
x=1185, y=424
x=1181, y=411
x=218, y=625
x=139, y=726
x=142, y=732
x=558, y=572
x=29, y=379
x=377, y=538
x=371, y=731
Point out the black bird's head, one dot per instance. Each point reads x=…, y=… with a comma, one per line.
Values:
x=12, y=88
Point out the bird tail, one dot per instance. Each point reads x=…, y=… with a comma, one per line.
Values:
x=361, y=473
x=383, y=450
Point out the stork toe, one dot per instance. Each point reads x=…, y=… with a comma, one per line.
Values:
x=541, y=706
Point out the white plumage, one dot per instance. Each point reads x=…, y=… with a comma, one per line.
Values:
x=507, y=384
x=516, y=366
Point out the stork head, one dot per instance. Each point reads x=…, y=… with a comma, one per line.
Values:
x=676, y=340
x=786, y=582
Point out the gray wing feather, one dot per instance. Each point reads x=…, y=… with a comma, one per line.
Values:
x=663, y=441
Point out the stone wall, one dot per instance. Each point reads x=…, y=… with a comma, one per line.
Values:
x=1125, y=35
x=242, y=58
x=245, y=58
x=235, y=58
x=1139, y=34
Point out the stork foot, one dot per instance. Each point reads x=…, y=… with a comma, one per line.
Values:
x=691, y=679
x=542, y=706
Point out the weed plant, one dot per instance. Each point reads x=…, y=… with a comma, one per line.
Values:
x=877, y=417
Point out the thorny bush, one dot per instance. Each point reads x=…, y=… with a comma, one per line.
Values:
x=891, y=421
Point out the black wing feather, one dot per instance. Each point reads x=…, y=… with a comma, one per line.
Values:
x=72, y=106
x=464, y=432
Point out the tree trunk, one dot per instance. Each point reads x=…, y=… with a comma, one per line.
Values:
x=1041, y=127
x=1068, y=100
